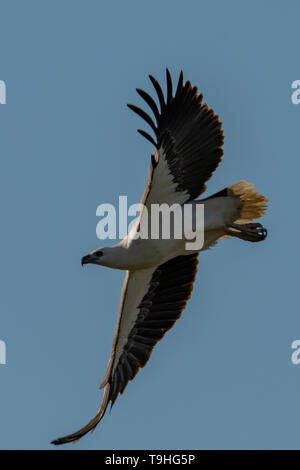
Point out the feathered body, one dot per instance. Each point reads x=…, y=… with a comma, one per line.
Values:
x=160, y=273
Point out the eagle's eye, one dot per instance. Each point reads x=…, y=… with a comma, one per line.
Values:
x=99, y=253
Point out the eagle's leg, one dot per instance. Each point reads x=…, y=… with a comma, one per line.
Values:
x=251, y=232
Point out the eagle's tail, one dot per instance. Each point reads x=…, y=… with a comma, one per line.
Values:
x=252, y=206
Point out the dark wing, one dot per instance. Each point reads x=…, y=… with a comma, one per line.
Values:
x=188, y=141
x=151, y=302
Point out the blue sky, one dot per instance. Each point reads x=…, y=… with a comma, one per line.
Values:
x=223, y=377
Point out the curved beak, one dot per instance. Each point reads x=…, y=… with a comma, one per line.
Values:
x=88, y=259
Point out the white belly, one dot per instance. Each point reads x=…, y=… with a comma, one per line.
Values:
x=144, y=253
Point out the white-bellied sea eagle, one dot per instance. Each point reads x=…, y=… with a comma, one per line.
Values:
x=160, y=273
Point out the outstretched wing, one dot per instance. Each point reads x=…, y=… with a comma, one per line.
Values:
x=188, y=141
x=151, y=302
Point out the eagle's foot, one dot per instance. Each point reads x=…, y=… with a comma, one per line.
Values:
x=252, y=232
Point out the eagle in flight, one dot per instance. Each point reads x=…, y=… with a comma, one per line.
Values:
x=160, y=273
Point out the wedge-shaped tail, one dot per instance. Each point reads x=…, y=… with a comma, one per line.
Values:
x=253, y=204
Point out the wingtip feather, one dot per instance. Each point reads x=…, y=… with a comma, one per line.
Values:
x=91, y=424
